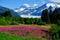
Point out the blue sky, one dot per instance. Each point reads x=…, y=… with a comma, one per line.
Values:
x=12, y=4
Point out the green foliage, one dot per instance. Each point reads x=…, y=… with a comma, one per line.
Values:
x=55, y=32
x=54, y=17
x=27, y=20
x=45, y=16
x=51, y=17
x=41, y=23
x=4, y=36
x=14, y=23
x=53, y=29
x=3, y=22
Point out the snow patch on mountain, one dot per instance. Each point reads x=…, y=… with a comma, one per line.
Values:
x=50, y=4
x=55, y=0
x=29, y=11
x=54, y=5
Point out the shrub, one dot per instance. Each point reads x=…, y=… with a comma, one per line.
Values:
x=3, y=22
x=41, y=23
x=14, y=23
x=54, y=32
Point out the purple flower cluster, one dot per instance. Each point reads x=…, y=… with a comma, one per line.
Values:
x=25, y=31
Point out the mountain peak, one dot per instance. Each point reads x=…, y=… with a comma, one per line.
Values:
x=55, y=1
x=53, y=4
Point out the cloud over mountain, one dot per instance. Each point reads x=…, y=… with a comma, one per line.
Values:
x=27, y=5
x=55, y=0
x=35, y=5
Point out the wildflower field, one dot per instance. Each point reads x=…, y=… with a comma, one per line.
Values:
x=23, y=33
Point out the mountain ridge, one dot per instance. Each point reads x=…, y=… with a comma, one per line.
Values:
x=30, y=11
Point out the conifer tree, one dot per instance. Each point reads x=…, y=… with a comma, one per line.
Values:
x=45, y=16
x=55, y=16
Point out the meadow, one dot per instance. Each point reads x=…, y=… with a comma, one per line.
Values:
x=16, y=28
x=25, y=32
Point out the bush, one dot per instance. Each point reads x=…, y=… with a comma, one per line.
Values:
x=53, y=29
x=14, y=23
x=27, y=21
x=3, y=22
x=55, y=32
x=17, y=20
x=41, y=23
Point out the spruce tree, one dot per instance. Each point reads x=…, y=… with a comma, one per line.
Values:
x=45, y=16
x=50, y=15
x=55, y=16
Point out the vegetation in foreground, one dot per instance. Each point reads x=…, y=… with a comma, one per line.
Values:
x=4, y=36
x=48, y=17
x=23, y=33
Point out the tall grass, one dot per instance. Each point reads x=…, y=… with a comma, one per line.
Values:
x=4, y=36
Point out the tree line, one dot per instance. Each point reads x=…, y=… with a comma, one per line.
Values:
x=47, y=17
x=7, y=19
x=51, y=17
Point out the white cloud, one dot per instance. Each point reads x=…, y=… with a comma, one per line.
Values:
x=21, y=9
x=55, y=0
x=30, y=16
x=27, y=5
x=35, y=5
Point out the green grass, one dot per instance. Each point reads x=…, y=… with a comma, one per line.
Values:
x=4, y=36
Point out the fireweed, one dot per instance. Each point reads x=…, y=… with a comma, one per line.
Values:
x=25, y=31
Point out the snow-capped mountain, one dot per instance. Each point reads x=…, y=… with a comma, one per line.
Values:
x=24, y=10
x=36, y=7
x=25, y=7
x=53, y=5
x=30, y=11
x=35, y=10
